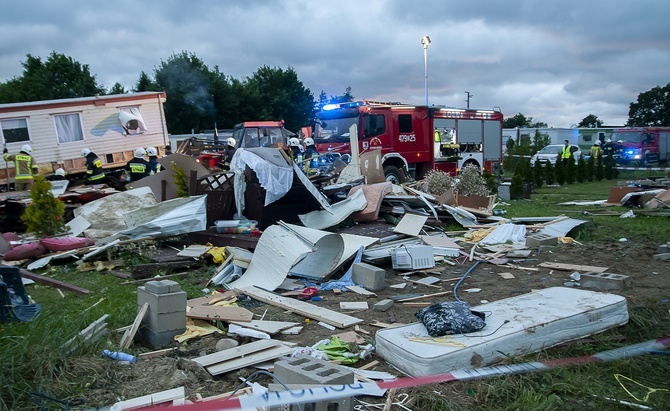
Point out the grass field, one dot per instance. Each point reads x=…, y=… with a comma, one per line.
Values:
x=32, y=360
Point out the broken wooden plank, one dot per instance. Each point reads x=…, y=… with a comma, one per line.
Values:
x=89, y=334
x=360, y=290
x=425, y=296
x=236, y=352
x=354, y=305
x=145, y=280
x=140, y=271
x=174, y=394
x=220, y=313
x=269, y=327
x=251, y=359
x=53, y=282
x=157, y=353
x=573, y=267
x=309, y=310
x=129, y=335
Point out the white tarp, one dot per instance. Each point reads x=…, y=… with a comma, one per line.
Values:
x=506, y=233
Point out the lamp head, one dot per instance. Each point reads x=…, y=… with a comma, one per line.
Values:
x=425, y=41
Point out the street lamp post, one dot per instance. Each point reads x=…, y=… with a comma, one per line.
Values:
x=425, y=41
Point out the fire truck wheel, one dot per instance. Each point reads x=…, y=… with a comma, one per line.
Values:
x=393, y=175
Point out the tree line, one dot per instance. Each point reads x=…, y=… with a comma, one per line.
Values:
x=200, y=96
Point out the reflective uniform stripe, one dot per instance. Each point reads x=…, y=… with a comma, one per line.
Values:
x=138, y=168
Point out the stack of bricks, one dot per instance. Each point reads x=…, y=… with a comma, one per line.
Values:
x=166, y=316
x=305, y=372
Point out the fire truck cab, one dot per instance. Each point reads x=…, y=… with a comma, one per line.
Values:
x=413, y=139
x=642, y=145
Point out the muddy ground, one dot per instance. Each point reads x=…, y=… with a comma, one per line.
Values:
x=650, y=281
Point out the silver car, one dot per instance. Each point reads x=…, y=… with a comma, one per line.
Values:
x=551, y=152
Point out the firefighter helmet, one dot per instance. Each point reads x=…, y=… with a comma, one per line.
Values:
x=293, y=142
x=620, y=141
x=151, y=151
x=59, y=172
x=140, y=152
x=85, y=152
x=309, y=141
x=609, y=140
x=597, y=142
x=26, y=148
x=231, y=142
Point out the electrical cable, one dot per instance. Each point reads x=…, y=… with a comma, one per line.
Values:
x=463, y=279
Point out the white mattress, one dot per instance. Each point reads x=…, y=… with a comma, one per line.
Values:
x=537, y=320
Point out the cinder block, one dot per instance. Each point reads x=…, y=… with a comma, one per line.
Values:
x=158, y=339
x=159, y=322
x=538, y=239
x=370, y=277
x=157, y=287
x=342, y=404
x=309, y=370
x=662, y=256
x=383, y=305
x=605, y=281
x=163, y=303
x=662, y=249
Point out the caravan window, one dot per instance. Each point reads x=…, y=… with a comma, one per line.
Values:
x=68, y=128
x=14, y=130
x=131, y=120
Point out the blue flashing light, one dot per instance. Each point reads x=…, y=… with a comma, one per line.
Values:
x=629, y=152
x=330, y=107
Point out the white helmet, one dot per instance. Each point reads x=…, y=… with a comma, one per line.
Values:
x=609, y=140
x=26, y=148
x=231, y=142
x=59, y=172
x=597, y=142
x=293, y=142
x=620, y=141
x=309, y=141
x=140, y=152
x=85, y=152
x=152, y=151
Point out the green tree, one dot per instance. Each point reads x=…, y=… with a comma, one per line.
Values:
x=538, y=173
x=570, y=170
x=600, y=169
x=59, y=76
x=581, y=170
x=279, y=95
x=591, y=169
x=44, y=216
x=590, y=121
x=516, y=189
x=540, y=141
x=652, y=108
x=145, y=83
x=549, y=175
x=521, y=121
x=117, y=88
x=609, y=163
x=528, y=174
x=559, y=172
x=188, y=81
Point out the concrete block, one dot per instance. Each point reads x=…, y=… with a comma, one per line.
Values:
x=538, y=239
x=605, y=281
x=309, y=370
x=342, y=404
x=383, y=305
x=158, y=339
x=662, y=256
x=157, y=287
x=664, y=248
x=163, y=303
x=159, y=322
x=370, y=277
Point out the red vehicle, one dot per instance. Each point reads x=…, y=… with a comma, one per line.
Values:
x=414, y=139
x=247, y=134
x=642, y=145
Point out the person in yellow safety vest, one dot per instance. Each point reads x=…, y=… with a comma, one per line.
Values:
x=24, y=167
x=565, y=153
x=137, y=168
x=94, y=172
x=595, y=151
x=437, y=137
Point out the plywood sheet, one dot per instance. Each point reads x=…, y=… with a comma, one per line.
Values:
x=374, y=194
x=411, y=224
x=221, y=313
x=300, y=307
x=269, y=327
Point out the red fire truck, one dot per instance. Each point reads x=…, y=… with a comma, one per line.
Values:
x=414, y=139
x=642, y=145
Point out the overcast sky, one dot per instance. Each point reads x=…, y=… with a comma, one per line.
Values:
x=555, y=61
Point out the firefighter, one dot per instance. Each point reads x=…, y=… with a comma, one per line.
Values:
x=296, y=151
x=59, y=175
x=311, y=153
x=24, y=167
x=608, y=148
x=565, y=152
x=595, y=150
x=229, y=153
x=618, y=148
x=154, y=165
x=168, y=151
x=137, y=168
x=94, y=172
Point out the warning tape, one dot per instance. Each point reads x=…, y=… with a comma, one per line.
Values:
x=643, y=168
x=334, y=392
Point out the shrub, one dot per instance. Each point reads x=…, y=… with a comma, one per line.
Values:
x=560, y=172
x=539, y=174
x=581, y=170
x=470, y=182
x=600, y=170
x=44, y=215
x=549, y=175
x=590, y=169
x=516, y=189
x=180, y=180
x=570, y=170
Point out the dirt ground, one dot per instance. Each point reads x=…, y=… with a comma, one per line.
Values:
x=649, y=278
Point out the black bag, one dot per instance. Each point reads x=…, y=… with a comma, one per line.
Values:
x=449, y=318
